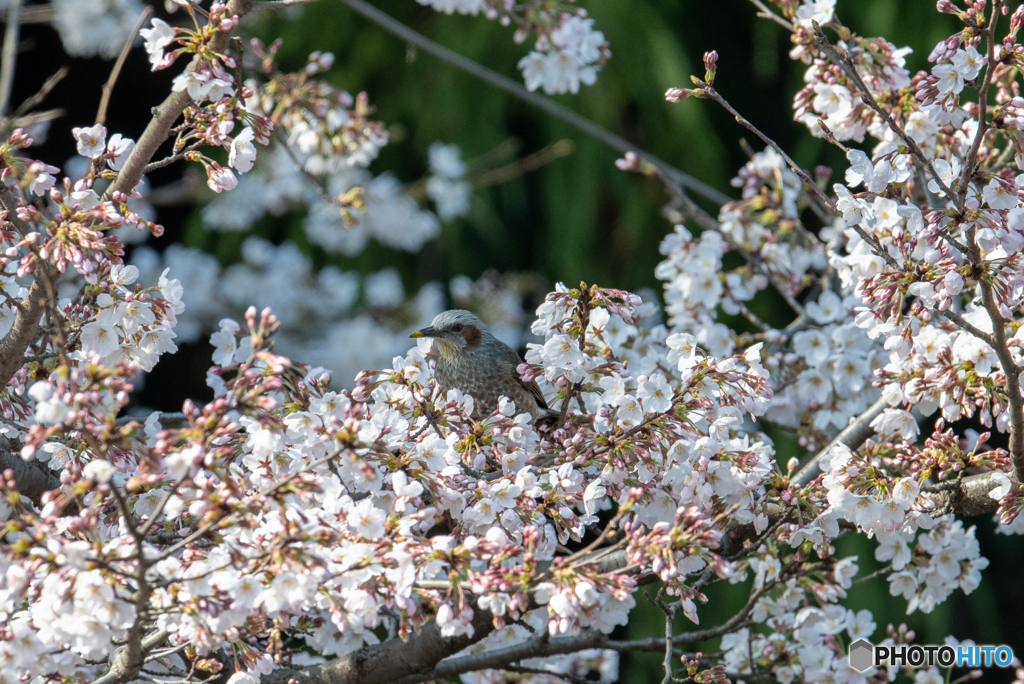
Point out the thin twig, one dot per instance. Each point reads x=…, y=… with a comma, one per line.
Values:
x=530, y=162
x=30, y=119
x=877, y=573
x=10, y=54
x=301, y=168
x=766, y=13
x=753, y=317
x=741, y=120
x=35, y=14
x=541, y=102
x=108, y=87
x=279, y=4
x=44, y=90
x=845, y=63
x=990, y=69
x=804, y=176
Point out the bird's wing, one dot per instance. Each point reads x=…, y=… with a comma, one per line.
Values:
x=532, y=387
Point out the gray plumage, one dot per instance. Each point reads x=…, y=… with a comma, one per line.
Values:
x=478, y=363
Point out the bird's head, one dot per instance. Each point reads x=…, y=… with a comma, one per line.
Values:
x=456, y=332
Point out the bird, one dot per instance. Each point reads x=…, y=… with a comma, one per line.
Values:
x=477, y=363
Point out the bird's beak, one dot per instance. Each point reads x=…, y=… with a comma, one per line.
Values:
x=426, y=332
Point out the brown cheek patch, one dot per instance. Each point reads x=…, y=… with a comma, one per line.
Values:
x=472, y=336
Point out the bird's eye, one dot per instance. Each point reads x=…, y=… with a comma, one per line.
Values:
x=457, y=327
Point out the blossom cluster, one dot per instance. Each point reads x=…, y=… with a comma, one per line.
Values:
x=288, y=521
x=568, y=50
x=353, y=543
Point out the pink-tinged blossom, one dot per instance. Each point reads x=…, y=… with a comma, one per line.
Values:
x=968, y=61
x=999, y=194
x=100, y=337
x=92, y=141
x=860, y=625
x=655, y=394
x=215, y=89
x=951, y=81
x=366, y=520
x=242, y=153
x=157, y=37
x=1002, y=487
x=41, y=178
x=192, y=82
x=682, y=350
x=948, y=172
x=220, y=179
x=811, y=11
x=561, y=351
x=753, y=358
x=225, y=345
x=99, y=470
x=118, y=150
x=893, y=421
x=903, y=584
x=953, y=282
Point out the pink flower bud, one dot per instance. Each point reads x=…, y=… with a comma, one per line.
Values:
x=677, y=94
x=711, y=60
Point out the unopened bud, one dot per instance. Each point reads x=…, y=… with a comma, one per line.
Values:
x=711, y=60
x=677, y=94
x=710, y=66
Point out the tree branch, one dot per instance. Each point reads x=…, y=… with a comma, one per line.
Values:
x=108, y=87
x=34, y=14
x=10, y=54
x=32, y=478
x=391, y=661
x=26, y=323
x=853, y=436
x=164, y=116
x=538, y=647
x=127, y=662
x=546, y=104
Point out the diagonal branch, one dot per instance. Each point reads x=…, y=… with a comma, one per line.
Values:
x=32, y=478
x=108, y=87
x=26, y=322
x=845, y=63
x=164, y=116
x=10, y=54
x=853, y=436
x=394, y=660
x=543, y=103
x=33, y=14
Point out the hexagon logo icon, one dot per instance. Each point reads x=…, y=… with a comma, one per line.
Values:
x=862, y=655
